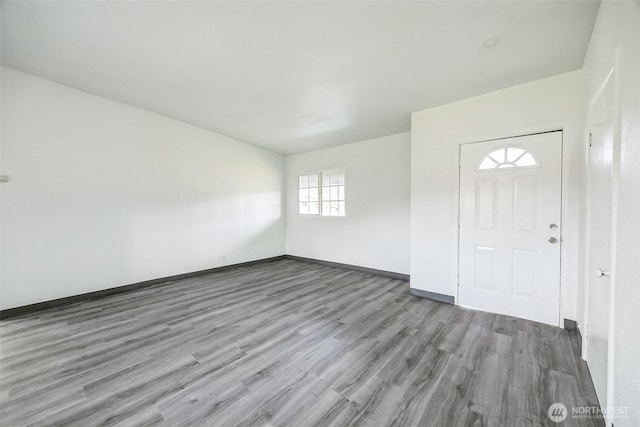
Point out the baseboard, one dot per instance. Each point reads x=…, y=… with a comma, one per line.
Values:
x=39, y=306
x=573, y=327
x=570, y=325
x=579, y=333
x=44, y=305
x=385, y=273
x=449, y=299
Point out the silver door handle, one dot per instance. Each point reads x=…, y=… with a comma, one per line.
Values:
x=602, y=273
x=553, y=240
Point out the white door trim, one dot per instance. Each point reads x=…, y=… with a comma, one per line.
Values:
x=614, y=76
x=561, y=227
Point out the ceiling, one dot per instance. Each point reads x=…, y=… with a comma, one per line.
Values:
x=294, y=76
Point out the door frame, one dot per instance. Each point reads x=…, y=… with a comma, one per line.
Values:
x=560, y=225
x=614, y=76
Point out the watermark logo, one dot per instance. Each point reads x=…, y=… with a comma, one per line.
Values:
x=557, y=412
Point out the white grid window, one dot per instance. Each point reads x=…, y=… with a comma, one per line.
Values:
x=322, y=193
x=308, y=194
x=333, y=203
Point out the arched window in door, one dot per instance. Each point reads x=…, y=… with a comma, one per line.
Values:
x=508, y=157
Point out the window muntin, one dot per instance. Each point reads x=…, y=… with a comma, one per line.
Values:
x=308, y=194
x=322, y=193
x=508, y=157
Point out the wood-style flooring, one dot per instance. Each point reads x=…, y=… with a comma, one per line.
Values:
x=284, y=343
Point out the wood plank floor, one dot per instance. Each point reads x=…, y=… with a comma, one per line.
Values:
x=284, y=343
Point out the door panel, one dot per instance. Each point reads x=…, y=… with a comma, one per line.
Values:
x=524, y=266
x=509, y=197
x=484, y=264
x=485, y=211
x=525, y=195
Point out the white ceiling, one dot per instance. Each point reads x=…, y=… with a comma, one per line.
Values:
x=294, y=76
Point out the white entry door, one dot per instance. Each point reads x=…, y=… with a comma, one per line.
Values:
x=510, y=211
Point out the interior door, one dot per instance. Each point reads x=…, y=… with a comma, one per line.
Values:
x=601, y=155
x=510, y=211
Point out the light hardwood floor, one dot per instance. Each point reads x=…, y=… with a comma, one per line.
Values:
x=284, y=343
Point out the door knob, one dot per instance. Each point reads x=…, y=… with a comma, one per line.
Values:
x=553, y=240
x=553, y=226
x=602, y=273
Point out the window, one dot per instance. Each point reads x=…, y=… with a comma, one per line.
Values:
x=508, y=157
x=308, y=193
x=333, y=193
x=328, y=202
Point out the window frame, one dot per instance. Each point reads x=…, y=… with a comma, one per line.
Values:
x=319, y=180
x=320, y=174
x=338, y=200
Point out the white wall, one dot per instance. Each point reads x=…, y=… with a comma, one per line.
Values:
x=103, y=194
x=436, y=133
x=375, y=231
x=618, y=25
